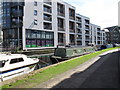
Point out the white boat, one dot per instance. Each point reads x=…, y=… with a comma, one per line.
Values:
x=13, y=65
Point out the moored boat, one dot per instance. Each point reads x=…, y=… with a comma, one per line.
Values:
x=12, y=65
x=64, y=53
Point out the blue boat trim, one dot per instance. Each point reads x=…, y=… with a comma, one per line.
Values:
x=7, y=71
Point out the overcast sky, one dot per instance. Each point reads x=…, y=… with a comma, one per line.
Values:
x=101, y=12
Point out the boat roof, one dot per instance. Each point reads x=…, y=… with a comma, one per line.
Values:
x=10, y=56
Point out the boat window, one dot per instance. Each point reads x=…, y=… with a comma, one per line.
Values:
x=2, y=64
x=17, y=60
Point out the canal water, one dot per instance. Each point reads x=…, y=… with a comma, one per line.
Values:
x=44, y=60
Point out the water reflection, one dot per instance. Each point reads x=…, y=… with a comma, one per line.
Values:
x=44, y=60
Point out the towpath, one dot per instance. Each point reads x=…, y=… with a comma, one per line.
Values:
x=100, y=72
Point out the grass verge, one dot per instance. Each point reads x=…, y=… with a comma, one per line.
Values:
x=51, y=72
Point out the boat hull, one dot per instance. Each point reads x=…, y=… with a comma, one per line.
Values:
x=6, y=75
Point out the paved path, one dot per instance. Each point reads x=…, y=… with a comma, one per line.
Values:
x=104, y=73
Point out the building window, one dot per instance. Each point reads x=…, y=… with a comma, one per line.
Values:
x=61, y=24
x=40, y=39
x=47, y=26
x=35, y=12
x=71, y=13
x=35, y=3
x=35, y=22
x=61, y=9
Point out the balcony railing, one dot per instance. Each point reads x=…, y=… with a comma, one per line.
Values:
x=47, y=18
x=87, y=33
x=48, y=10
x=78, y=20
x=17, y=14
x=71, y=17
x=72, y=43
x=61, y=29
x=87, y=23
x=80, y=38
x=78, y=27
x=87, y=29
x=87, y=39
x=79, y=32
x=17, y=4
x=72, y=31
x=50, y=3
x=16, y=25
x=61, y=14
x=48, y=27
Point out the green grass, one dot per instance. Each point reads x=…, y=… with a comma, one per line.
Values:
x=51, y=72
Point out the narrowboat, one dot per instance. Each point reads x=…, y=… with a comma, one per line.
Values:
x=64, y=53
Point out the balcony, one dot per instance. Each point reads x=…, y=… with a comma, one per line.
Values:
x=71, y=14
x=87, y=34
x=99, y=34
x=61, y=29
x=79, y=31
x=79, y=43
x=87, y=22
x=47, y=17
x=17, y=14
x=99, y=38
x=48, y=26
x=79, y=38
x=71, y=17
x=16, y=24
x=87, y=39
x=61, y=39
x=72, y=31
x=72, y=43
x=61, y=9
x=14, y=4
x=78, y=19
x=72, y=27
x=61, y=14
x=47, y=2
x=72, y=39
x=78, y=27
x=47, y=9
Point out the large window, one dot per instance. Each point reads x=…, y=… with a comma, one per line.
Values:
x=61, y=24
x=35, y=38
x=71, y=13
x=61, y=9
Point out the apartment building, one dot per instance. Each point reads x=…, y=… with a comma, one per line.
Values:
x=83, y=30
x=42, y=24
x=113, y=35
x=98, y=35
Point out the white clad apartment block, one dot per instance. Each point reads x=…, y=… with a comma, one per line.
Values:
x=50, y=16
x=48, y=23
x=98, y=35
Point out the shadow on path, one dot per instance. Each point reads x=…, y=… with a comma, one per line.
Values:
x=102, y=74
